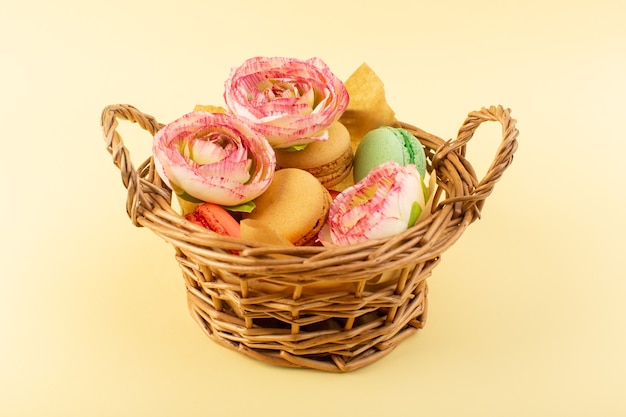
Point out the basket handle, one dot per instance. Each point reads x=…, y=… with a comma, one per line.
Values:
x=145, y=187
x=480, y=190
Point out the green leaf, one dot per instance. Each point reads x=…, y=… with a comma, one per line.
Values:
x=294, y=148
x=189, y=198
x=244, y=207
x=416, y=210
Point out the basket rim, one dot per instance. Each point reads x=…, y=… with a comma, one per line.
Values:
x=149, y=203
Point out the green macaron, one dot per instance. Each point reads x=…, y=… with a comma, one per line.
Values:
x=384, y=144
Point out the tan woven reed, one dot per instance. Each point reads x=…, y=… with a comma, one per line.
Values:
x=331, y=309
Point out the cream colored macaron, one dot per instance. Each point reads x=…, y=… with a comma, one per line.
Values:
x=295, y=205
x=329, y=161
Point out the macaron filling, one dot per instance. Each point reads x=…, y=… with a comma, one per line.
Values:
x=414, y=151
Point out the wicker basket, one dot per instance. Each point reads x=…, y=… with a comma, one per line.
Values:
x=331, y=309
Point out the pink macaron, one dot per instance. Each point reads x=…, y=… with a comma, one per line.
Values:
x=215, y=218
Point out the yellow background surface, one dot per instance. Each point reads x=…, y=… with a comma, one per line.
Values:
x=527, y=311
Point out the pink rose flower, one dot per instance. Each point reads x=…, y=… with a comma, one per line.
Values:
x=386, y=202
x=290, y=101
x=214, y=158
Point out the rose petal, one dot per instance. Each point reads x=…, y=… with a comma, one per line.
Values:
x=214, y=157
x=379, y=206
x=289, y=101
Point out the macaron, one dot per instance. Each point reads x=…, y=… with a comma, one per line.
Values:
x=329, y=161
x=215, y=218
x=384, y=144
x=295, y=205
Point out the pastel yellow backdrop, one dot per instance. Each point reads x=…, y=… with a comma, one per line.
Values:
x=527, y=314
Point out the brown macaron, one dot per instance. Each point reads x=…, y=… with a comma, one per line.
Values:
x=329, y=161
x=295, y=205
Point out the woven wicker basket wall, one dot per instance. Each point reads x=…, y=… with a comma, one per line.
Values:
x=331, y=309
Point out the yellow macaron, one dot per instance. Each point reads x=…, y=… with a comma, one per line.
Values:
x=329, y=161
x=295, y=205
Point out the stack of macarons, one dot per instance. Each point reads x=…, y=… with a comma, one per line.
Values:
x=296, y=204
